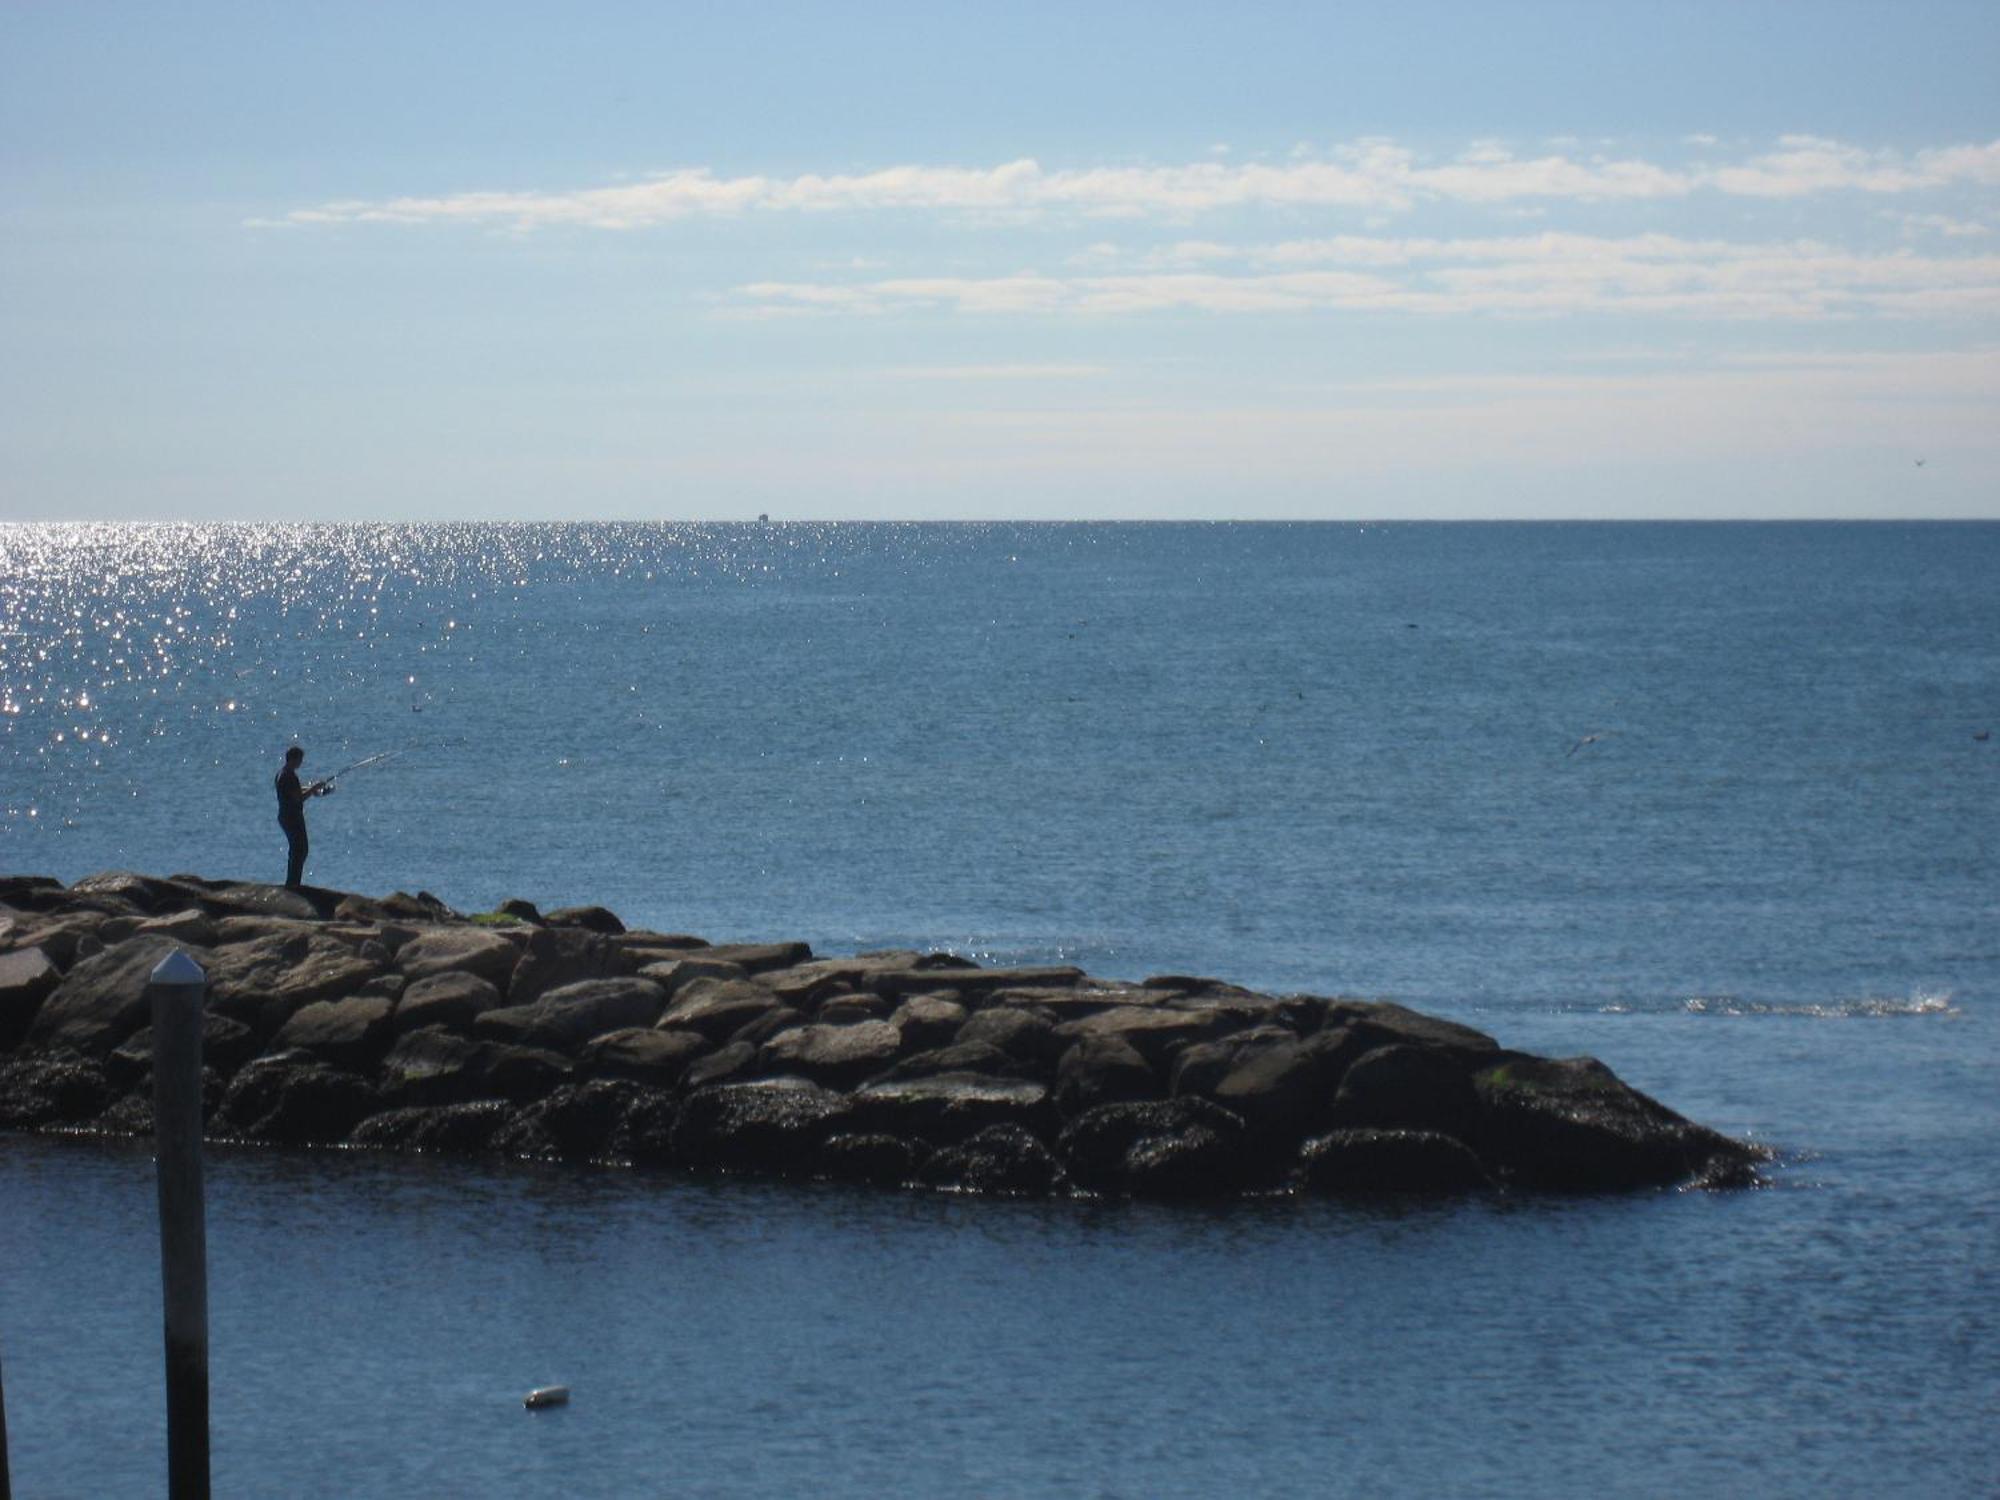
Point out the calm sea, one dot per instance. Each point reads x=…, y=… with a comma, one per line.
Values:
x=1708, y=802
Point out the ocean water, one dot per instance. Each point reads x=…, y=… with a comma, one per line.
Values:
x=1707, y=802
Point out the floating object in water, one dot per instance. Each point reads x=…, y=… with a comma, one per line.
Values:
x=548, y=1395
x=1591, y=739
x=1982, y=735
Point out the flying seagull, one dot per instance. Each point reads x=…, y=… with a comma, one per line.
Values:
x=1920, y=463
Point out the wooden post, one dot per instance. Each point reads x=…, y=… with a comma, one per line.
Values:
x=176, y=992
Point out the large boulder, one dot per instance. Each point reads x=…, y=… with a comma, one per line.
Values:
x=1024, y=1034
x=103, y=1000
x=837, y=1056
x=554, y=957
x=27, y=977
x=949, y=1107
x=1102, y=1070
x=263, y=982
x=347, y=1033
x=66, y=936
x=575, y=1123
x=1001, y=1159
x=566, y=1018
x=469, y=950
x=1573, y=1125
x=37, y=1091
x=1155, y=1032
x=928, y=1021
x=1390, y=1161
x=1179, y=1148
x=644, y=1054
x=872, y=1157
x=450, y=1129
x=717, y=1008
x=294, y=1098
x=452, y=999
x=774, y=1126
x=1405, y=1087
x=1275, y=1089
x=225, y=1046
x=435, y=1066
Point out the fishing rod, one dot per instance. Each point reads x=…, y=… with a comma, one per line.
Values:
x=367, y=760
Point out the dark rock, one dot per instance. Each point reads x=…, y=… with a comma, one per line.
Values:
x=1023, y=1034
x=959, y=1057
x=949, y=1107
x=565, y=1019
x=644, y=1054
x=190, y=927
x=881, y=1160
x=969, y=981
x=349, y=1034
x=1200, y=1068
x=845, y=1010
x=1102, y=1070
x=837, y=1056
x=1391, y=1161
x=25, y=891
x=449, y=1129
x=451, y=999
x=576, y=1122
x=469, y=950
x=1155, y=1032
x=1275, y=1088
x=131, y=1115
x=589, y=918
x=1572, y=1125
x=1180, y=1148
x=717, y=1008
x=734, y=1063
x=28, y=976
x=64, y=936
x=645, y=1132
x=435, y=1066
x=757, y=958
x=775, y=1125
x=928, y=1021
x=521, y=911
x=760, y=1029
x=225, y=1046
x=555, y=957
x=102, y=1001
x=37, y=1091
x=1001, y=1159
x=521, y=1073
x=295, y=1099
x=1405, y=1087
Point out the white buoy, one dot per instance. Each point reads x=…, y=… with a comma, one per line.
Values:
x=548, y=1395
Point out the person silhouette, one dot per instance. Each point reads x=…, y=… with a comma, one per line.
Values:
x=292, y=813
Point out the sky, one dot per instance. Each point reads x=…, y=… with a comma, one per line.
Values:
x=1107, y=261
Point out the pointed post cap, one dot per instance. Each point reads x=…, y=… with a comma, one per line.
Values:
x=178, y=968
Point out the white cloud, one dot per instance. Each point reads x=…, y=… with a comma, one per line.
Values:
x=1370, y=176
x=1525, y=275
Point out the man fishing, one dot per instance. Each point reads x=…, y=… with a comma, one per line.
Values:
x=292, y=812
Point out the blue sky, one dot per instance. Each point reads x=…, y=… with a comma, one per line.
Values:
x=1424, y=260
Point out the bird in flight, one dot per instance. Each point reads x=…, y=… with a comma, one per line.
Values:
x=1590, y=739
x=1920, y=463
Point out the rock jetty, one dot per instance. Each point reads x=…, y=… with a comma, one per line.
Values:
x=400, y=1025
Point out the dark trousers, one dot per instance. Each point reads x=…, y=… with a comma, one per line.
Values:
x=295, y=835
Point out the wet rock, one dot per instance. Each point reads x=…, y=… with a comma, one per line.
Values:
x=435, y=1066
x=102, y=1000
x=28, y=976
x=37, y=1091
x=293, y=1098
x=959, y=1057
x=467, y=950
x=1405, y=1087
x=1391, y=1161
x=950, y=1107
x=877, y=1159
x=644, y=1135
x=350, y=1034
x=1572, y=1125
x=1178, y=1148
x=565, y=1019
x=576, y=1122
x=1275, y=1089
x=1002, y=1159
x=773, y=1126
x=644, y=1054
x=928, y=1021
x=451, y=1000
x=837, y=1056
x=1102, y=1070
x=225, y=1046
x=449, y=1129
